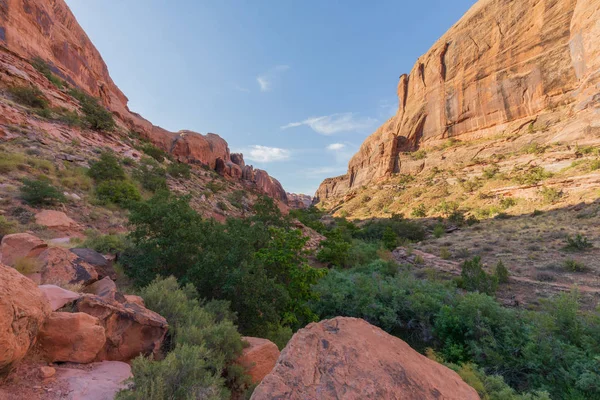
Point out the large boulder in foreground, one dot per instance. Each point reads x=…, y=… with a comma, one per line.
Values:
x=62, y=267
x=20, y=245
x=347, y=358
x=259, y=358
x=23, y=309
x=103, y=266
x=71, y=337
x=57, y=296
x=131, y=329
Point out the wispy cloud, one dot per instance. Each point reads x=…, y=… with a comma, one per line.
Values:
x=325, y=171
x=336, y=146
x=336, y=123
x=267, y=80
x=241, y=88
x=264, y=154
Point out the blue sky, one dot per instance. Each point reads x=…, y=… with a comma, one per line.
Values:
x=294, y=85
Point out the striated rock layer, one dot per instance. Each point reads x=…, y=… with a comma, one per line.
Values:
x=503, y=64
x=47, y=29
x=347, y=358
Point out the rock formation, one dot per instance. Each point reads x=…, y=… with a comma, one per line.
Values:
x=23, y=310
x=499, y=68
x=20, y=245
x=299, y=201
x=347, y=358
x=47, y=29
x=258, y=358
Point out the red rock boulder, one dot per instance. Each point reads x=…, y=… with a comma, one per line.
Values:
x=23, y=310
x=347, y=358
x=57, y=296
x=60, y=267
x=57, y=221
x=20, y=245
x=103, y=266
x=258, y=358
x=71, y=337
x=131, y=329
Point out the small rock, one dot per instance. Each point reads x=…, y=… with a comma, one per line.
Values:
x=47, y=372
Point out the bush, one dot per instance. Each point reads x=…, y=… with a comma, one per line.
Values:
x=6, y=227
x=27, y=265
x=531, y=176
x=507, y=202
x=29, y=96
x=439, y=231
x=404, y=229
x=107, y=168
x=43, y=67
x=40, y=192
x=550, y=195
x=96, y=116
x=575, y=266
x=475, y=279
x=419, y=155
x=215, y=186
x=106, y=244
x=122, y=193
x=179, y=170
x=578, y=243
x=419, y=211
x=154, y=152
x=501, y=273
x=151, y=175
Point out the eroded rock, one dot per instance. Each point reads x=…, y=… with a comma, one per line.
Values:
x=20, y=245
x=258, y=358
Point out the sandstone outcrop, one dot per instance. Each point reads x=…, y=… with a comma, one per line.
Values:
x=299, y=201
x=131, y=329
x=99, y=381
x=347, y=358
x=258, y=358
x=20, y=245
x=23, y=310
x=71, y=337
x=57, y=221
x=60, y=266
x=57, y=296
x=47, y=29
x=501, y=67
x=103, y=267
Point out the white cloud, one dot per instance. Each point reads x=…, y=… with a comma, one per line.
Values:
x=335, y=123
x=336, y=146
x=264, y=154
x=325, y=171
x=241, y=88
x=267, y=80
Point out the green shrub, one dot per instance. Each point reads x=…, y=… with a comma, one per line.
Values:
x=107, y=168
x=578, y=242
x=215, y=186
x=6, y=227
x=236, y=198
x=501, y=272
x=222, y=206
x=491, y=171
x=404, y=229
x=96, y=116
x=27, y=265
x=390, y=239
x=67, y=117
x=507, y=202
x=40, y=192
x=438, y=231
x=43, y=67
x=470, y=185
x=122, y=193
x=29, y=96
x=531, y=176
x=595, y=165
x=550, y=195
x=419, y=154
x=447, y=208
x=419, y=211
x=106, y=244
x=179, y=170
x=475, y=279
x=151, y=175
x=575, y=266
x=158, y=154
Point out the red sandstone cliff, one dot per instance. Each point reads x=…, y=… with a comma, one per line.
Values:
x=503, y=64
x=47, y=29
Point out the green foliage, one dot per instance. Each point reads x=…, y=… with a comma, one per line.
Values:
x=419, y=154
x=447, y=208
x=575, y=266
x=550, y=195
x=507, y=202
x=531, y=176
x=419, y=211
x=334, y=249
x=122, y=193
x=470, y=185
x=6, y=227
x=43, y=67
x=221, y=205
x=491, y=171
x=40, y=192
x=475, y=279
x=595, y=165
x=390, y=239
x=310, y=217
x=215, y=186
x=237, y=198
x=107, y=168
x=151, y=175
x=438, y=231
x=106, y=244
x=578, y=242
x=29, y=96
x=158, y=154
x=501, y=272
x=96, y=116
x=404, y=229
x=179, y=170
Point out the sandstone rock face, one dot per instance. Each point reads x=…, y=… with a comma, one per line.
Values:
x=503, y=63
x=347, y=358
x=23, y=309
x=131, y=329
x=104, y=288
x=299, y=201
x=60, y=266
x=57, y=296
x=20, y=245
x=71, y=337
x=100, y=381
x=259, y=357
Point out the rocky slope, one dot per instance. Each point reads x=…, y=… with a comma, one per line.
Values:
x=47, y=29
x=504, y=69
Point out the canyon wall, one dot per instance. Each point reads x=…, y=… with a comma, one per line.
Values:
x=503, y=62
x=47, y=29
